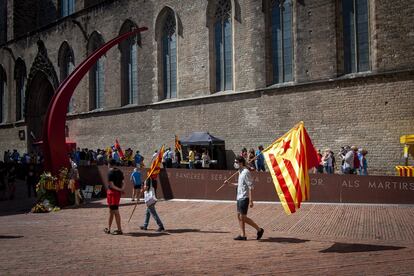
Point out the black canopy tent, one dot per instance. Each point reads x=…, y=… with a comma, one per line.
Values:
x=204, y=140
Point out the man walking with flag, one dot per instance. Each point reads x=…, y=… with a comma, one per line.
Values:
x=244, y=199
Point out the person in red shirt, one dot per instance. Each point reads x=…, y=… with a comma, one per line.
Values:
x=115, y=187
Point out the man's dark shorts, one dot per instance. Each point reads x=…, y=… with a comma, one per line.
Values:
x=113, y=207
x=137, y=187
x=243, y=206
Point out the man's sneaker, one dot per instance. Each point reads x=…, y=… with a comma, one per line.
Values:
x=161, y=229
x=240, y=238
x=260, y=234
x=143, y=228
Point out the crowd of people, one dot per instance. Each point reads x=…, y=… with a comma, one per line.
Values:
x=353, y=161
x=86, y=157
x=15, y=166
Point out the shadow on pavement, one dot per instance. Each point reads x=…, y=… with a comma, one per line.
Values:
x=101, y=203
x=180, y=231
x=146, y=234
x=10, y=237
x=283, y=240
x=354, y=247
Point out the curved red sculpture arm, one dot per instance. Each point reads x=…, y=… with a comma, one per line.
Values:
x=54, y=144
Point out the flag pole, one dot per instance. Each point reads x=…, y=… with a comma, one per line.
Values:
x=136, y=204
x=224, y=183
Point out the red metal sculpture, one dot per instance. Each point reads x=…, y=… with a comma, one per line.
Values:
x=54, y=147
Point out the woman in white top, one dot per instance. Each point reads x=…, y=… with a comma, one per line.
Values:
x=205, y=160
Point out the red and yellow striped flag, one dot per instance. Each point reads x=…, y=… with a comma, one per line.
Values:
x=156, y=164
x=118, y=148
x=289, y=158
x=177, y=143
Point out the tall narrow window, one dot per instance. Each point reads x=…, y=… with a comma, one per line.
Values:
x=20, y=77
x=223, y=46
x=67, y=7
x=129, y=67
x=169, y=56
x=281, y=41
x=2, y=95
x=99, y=83
x=3, y=22
x=66, y=64
x=96, y=74
x=355, y=35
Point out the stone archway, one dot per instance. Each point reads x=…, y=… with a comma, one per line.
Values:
x=40, y=93
x=40, y=88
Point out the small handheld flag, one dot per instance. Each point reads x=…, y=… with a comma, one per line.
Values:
x=177, y=143
x=118, y=148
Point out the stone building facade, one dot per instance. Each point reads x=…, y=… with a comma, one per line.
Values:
x=244, y=70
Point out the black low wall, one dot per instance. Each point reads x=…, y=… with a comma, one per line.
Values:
x=202, y=184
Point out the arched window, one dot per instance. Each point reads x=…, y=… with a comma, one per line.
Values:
x=129, y=66
x=169, y=55
x=3, y=22
x=3, y=83
x=20, y=78
x=223, y=46
x=96, y=74
x=67, y=7
x=355, y=35
x=281, y=41
x=66, y=63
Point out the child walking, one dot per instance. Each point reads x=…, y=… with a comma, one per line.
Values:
x=151, y=209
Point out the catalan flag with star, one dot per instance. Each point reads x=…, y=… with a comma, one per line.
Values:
x=289, y=158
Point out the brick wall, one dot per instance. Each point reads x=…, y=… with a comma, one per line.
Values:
x=369, y=111
x=394, y=34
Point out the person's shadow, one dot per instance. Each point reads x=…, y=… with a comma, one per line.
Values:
x=181, y=231
x=283, y=240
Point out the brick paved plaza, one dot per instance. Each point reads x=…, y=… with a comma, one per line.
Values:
x=320, y=239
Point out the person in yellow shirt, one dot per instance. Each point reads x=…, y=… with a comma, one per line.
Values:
x=191, y=158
